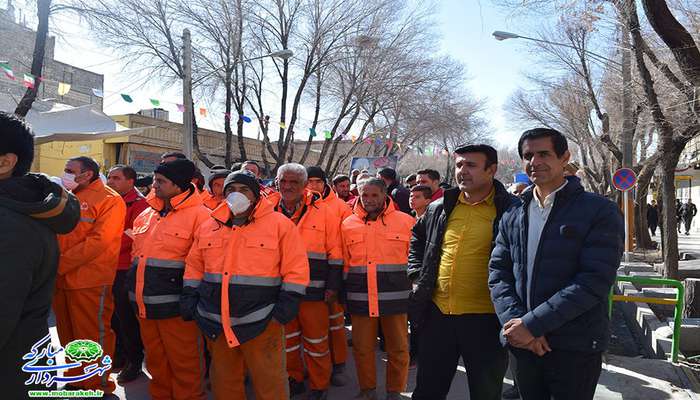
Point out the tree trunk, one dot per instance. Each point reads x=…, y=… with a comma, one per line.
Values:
x=641, y=228
x=43, y=11
x=691, y=304
x=668, y=194
x=676, y=37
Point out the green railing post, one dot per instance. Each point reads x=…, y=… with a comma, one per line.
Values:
x=678, y=303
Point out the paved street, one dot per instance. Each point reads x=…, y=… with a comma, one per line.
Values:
x=623, y=378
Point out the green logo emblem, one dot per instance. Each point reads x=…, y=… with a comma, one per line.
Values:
x=83, y=350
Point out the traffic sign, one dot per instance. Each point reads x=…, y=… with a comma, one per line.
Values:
x=624, y=179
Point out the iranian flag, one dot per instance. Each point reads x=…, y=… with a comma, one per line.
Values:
x=28, y=81
x=7, y=70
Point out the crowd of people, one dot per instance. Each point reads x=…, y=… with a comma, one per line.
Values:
x=224, y=282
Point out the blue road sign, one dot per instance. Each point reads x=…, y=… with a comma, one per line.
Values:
x=624, y=179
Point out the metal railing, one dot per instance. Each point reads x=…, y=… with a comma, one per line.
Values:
x=677, y=303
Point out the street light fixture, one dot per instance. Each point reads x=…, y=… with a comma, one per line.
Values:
x=503, y=35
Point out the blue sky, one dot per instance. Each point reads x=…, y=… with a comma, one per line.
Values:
x=493, y=68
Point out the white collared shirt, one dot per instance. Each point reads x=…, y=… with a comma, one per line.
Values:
x=537, y=215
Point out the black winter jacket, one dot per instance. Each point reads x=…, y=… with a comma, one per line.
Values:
x=32, y=211
x=426, y=244
x=575, y=265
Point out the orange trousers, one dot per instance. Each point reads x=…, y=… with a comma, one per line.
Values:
x=309, y=331
x=339, y=343
x=262, y=358
x=87, y=314
x=364, y=342
x=174, y=357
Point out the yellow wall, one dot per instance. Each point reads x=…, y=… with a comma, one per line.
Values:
x=50, y=158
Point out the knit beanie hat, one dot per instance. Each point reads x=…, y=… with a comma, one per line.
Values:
x=245, y=178
x=179, y=171
x=316, y=172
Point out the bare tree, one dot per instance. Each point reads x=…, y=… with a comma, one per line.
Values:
x=146, y=34
x=43, y=12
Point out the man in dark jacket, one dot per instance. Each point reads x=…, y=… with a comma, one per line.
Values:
x=554, y=262
x=32, y=211
x=688, y=212
x=652, y=217
x=448, y=261
x=398, y=193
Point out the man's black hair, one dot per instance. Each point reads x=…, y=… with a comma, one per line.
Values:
x=558, y=140
x=427, y=192
x=432, y=174
x=129, y=173
x=16, y=137
x=88, y=164
x=388, y=173
x=340, y=178
x=490, y=153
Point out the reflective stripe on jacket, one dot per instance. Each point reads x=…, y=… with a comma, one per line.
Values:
x=161, y=243
x=375, y=256
x=319, y=229
x=247, y=273
x=89, y=254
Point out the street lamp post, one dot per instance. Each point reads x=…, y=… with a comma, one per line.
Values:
x=627, y=148
x=503, y=35
x=187, y=85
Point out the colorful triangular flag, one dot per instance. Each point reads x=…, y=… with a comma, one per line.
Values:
x=127, y=98
x=28, y=81
x=354, y=138
x=328, y=134
x=246, y=119
x=283, y=125
x=63, y=88
x=203, y=111
x=227, y=116
x=98, y=92
x=312, y=132
x=155, y=102
x=180, y=107
x=7, y=70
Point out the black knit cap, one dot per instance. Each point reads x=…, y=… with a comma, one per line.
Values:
x=316, y=172
x=179, y=171
x=245, y=178
x=217, y=171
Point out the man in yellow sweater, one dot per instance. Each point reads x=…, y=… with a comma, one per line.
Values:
x=448, y=262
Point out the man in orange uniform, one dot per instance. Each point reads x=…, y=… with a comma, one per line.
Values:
x=375, y=249
x=247, y=266
x=317, y=182
x=163, y=235
x=215, y=195
x=319, y=228
x=124, y=322
x=83, y=300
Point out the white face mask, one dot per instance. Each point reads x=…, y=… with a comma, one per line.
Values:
x=68, y=181
x=238, y=203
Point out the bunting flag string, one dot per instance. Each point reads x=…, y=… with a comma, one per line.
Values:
x=379, y=137
x=28, y=81
x=63, y=88
x=8, y=71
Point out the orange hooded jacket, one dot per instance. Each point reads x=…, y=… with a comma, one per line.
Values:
x=89, y=254
x=249, y=274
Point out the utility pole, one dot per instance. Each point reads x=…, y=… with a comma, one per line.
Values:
x=626, y=138
x=187, y=93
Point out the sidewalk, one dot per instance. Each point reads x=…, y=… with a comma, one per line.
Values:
x=623, y=378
